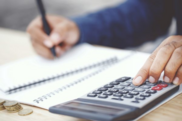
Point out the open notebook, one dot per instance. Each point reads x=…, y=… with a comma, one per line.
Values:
x=34, y=71
x=45, y=83
x=33, y=80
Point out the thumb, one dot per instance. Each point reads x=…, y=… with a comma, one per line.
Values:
x=58, y=33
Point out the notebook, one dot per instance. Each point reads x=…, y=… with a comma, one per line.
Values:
x=33, y=80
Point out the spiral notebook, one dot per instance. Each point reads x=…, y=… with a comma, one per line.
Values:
x=44, y=83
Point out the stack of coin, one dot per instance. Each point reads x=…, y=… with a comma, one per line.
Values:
x=1, y=104
x=25, y=112
x=12, y=106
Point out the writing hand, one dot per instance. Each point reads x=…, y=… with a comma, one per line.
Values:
x=64, y=32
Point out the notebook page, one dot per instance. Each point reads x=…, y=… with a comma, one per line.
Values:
x=27, y=96
x=36, y=68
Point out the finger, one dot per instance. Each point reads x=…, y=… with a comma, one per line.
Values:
x=173, y=65
x=59, y=51
x=160, y=62
x=178, y=79
x=41, y=37
x=35, y=29
x=143, y=73
x=58, y=34
x=41, y=50
x=66, y=47
x=163, y=56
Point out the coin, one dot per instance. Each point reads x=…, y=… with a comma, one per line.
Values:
x=25, y=112
x=10, y=103
x=15, y=107
x=14, y=111
x=2, y=107
x=2, y=101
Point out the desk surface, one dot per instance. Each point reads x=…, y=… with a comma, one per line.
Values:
x=11, y=45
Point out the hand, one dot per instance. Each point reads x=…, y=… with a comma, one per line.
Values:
x=64, y=32
x=168, y=58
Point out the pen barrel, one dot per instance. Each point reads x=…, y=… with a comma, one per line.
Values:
x=42, y=11
x=46, y=25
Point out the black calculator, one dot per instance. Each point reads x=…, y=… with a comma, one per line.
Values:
x=118, y=100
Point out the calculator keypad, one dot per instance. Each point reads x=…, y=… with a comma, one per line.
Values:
x=123, y=88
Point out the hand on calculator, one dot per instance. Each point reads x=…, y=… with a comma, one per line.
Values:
x=168, y=58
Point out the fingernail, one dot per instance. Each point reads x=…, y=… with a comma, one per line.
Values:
x=176, y=81
x=59, y=51
x=138, y=80
x=166, y=79
x=151, y=79
x=55, y=37
x=48, y=43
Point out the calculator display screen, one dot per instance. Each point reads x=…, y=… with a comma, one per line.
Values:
x=93, y=108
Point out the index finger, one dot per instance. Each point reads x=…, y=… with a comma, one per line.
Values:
x=143, y=73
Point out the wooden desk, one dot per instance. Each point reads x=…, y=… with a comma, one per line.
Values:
x=15, y=45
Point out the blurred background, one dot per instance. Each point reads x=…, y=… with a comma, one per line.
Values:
x=17, y=14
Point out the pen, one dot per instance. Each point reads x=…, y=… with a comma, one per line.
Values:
x=45, y=23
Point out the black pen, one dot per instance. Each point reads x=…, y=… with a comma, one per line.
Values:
x=45, y=23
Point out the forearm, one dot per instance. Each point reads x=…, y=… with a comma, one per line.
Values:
x=128, y=24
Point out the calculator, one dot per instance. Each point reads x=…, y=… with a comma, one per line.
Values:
x=118, y=100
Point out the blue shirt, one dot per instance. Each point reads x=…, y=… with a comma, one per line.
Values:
x=130, y=23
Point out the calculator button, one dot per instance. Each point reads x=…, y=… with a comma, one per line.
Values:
x=97, y=92
x=129, y=81
x=139, y=90
x=91, y=95
x=145, y=87
x=156, y=88
x=102, y=89
x=140, y=98
x=128, y=96
x=124, y=84
x=132, y=85
x=133, y=93
x=151, y=84
x=136, y=101
x=108, y=86
x=114, y=83
x=145, y=95
x=113, y=90
x=162, y=85
x=129, y=88
x=117, y=95
x=118, y=87
x=160, y=81
x=107, y=93
x=102, y=96
x=123, y=91
x=123, y=79
x=117, y=99
x=151, y=91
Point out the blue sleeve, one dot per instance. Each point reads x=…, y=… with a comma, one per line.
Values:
x=128, y=24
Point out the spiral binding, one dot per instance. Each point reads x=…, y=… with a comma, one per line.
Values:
x=35, y=83
x=63, y=88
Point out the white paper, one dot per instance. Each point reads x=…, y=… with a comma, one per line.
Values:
x=35, y=68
